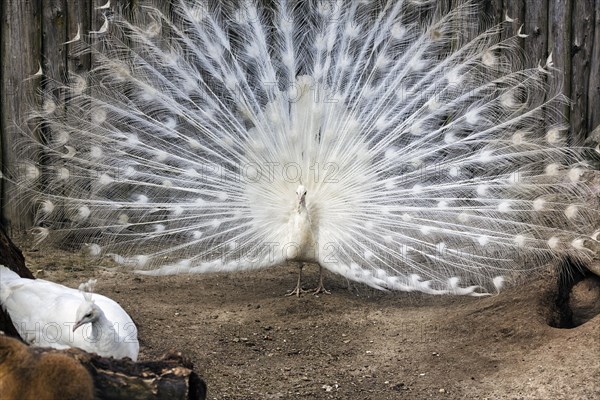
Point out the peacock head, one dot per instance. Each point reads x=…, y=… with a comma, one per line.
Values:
x=301, y=193
x=88, y=311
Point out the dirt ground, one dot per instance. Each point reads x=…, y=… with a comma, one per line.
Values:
x=248, y=341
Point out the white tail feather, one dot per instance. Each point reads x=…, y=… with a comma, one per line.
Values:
x=430, y=163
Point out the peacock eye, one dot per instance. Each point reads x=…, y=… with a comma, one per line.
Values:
x=88, y=315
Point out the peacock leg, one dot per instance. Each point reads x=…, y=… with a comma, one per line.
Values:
x=298, y=290
x=321, y=287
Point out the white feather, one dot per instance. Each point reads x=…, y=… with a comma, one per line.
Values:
x=45, y=313
x=403, y=134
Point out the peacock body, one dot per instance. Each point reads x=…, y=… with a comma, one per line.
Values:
x=369, y=137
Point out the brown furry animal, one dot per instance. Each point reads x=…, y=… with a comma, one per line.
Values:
x=29, y=375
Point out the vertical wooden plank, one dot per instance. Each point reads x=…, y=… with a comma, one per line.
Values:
x=515, y=9
x=559, y=43
x=536, y=26
x=581, y=45
x=79, y=20
x=493, y=10
x=54, y=36
x=20, y=58
x=593, y=114
x=2, y=89
x=54, y=56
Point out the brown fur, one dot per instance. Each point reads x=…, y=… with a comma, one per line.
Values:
x=29, y=375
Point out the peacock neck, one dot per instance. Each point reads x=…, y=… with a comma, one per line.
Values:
x=301, y=237
x=301, y=209
x=103, y=332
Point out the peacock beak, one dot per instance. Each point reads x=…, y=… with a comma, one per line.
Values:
x=77, y=325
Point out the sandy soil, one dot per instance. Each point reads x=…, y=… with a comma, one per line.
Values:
x=248, y=341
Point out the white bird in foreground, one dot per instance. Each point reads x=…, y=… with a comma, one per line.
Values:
x=47, y=314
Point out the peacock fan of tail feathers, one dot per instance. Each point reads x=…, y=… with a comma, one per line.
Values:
x=372, y=138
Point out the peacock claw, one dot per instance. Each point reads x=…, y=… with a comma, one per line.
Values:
x=297, y=291
x=321, y=287
x=320, y=290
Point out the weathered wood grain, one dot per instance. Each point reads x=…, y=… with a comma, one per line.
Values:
x=78, y=21
x=494, y=9
x=581, y=46
x=593, y=95
x=559, y=39
x=20, y=58
x=535, y=24
x=54, y=36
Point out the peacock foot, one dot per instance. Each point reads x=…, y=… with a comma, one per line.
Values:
x=297, y=291
x=321, y=289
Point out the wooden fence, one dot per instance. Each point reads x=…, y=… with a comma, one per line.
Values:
x=33, y=36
